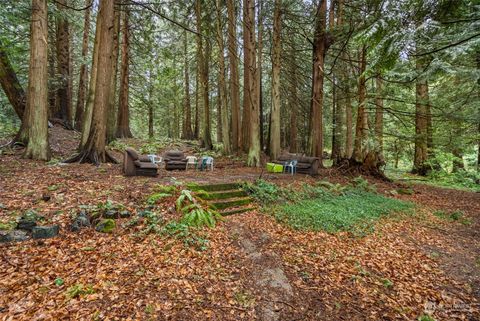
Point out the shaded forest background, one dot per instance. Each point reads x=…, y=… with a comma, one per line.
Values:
x=363, y=83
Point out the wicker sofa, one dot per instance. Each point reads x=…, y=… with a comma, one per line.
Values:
x=175, y=160
x=305, y=165
x=135, y=164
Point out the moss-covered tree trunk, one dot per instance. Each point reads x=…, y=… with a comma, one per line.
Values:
x=187, y=125
x=379, y=115
x=36, y=115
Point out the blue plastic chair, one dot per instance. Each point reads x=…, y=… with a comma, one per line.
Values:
x=291, y=166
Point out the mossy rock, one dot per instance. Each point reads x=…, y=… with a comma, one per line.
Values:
x=105, y=226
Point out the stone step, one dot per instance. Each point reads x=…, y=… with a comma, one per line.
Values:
x=237, y=210
x=231, y=203
x=221, y=195
x=213, y=187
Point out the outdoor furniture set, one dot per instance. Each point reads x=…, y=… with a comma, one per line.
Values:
x=135, y=164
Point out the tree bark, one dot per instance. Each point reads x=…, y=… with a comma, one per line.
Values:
x=251, y=86
x=123, y=120
x=94, y=149
x=276, y=60
x=196, y=129
x=293, y=103
x=348, y=124
x=234, y=78
x=360, y=149
x=36, y=115
x=379, y=116
x=421, y=124
x=10, y=84
x=203, y=57
x=63, y=102
x=150, y=108
x=87, y=113
x=222, y=86
x=83, y=81
x=319, y=50
x=248, y=26
x=112, y=112
x=259, y=73
x=188, y=134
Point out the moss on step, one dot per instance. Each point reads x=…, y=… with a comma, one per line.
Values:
x=213, y=187
x=221, y=195
x=233, y=203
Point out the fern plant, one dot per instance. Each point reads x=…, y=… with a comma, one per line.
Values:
x=195, y=214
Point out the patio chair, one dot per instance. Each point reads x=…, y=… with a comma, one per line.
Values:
x=191, y=160
x=155, y=159
x=206, y=162
x=291, y=166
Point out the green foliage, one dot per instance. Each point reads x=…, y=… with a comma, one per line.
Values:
x=363, y=184
x=154, y=198
x=118, y=145
x=59, y=282
x=455, y=216
x=79, y=290
x=264, y=192
x=425, y=317
x=462, y=179
x=195, y=214
x=106, y=226
x=356, y=211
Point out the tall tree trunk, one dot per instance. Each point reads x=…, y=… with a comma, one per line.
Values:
x=36, y=119
x=293, y=104
x=203, y=57
x=94, y=149
x=196, y=128
x=234, y=78
x=258, y=80
x=112, y=113
x=63, y=109
x=150, y=107
x=222, y=90
x=123, y=120
x=219, y=110
x=319, y=50
x=421, y=124
x=248, y=26
x=10, y=84
x=336, y=125
x=87, y=113
x=379, y=116
x=276, y=59
x=361, y=128
x=251, y=68
x=186, y=100
x=83, y=81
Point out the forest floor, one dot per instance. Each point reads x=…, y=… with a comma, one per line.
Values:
x=248, y=267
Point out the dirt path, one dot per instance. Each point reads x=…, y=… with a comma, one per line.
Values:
x=266, y=277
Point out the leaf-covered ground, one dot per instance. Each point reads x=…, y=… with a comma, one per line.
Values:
x=252, y=267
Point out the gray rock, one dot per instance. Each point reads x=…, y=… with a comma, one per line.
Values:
x=13, y=236
x=80, y=221
x=26, y=224
x=43, y=232
x=125, y=214
x=111, y=214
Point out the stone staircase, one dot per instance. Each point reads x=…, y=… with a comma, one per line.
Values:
x=226, y=198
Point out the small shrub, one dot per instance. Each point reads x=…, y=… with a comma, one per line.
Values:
x=264, y=192
x=363, y=184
